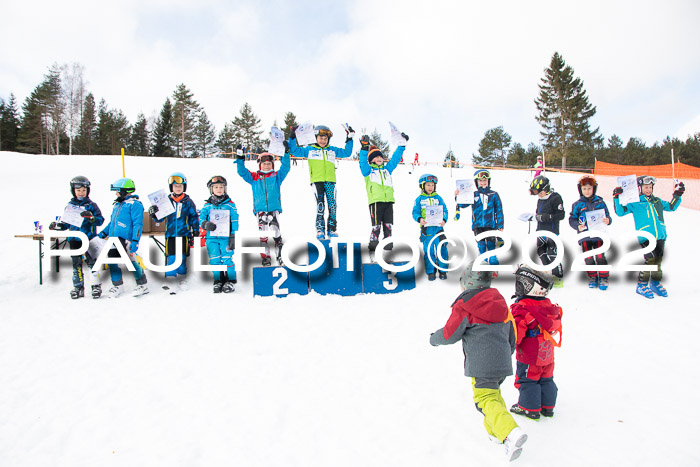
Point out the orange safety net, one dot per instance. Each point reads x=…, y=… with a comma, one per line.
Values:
x=682, y=171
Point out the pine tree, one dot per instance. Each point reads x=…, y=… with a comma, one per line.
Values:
x=290, y=120
x=375, y=139
x=564, y=114
x=163, y=132
x=30, y=138
x=615, y=152
x=204, y=136
x=450, y=159
x=138, y=144
x=493, y=148
x=113, y=132
x=85, y=140
x=185, y=113
x=247, y=129
x=9, y=124
x=226, y=141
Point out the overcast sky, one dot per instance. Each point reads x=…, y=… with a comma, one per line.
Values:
x=443, y=71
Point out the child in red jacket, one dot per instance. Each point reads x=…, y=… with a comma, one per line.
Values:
x=537, y=319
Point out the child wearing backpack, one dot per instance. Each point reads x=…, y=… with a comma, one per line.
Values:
x=126, y=224
x=220, y=239
x=92, y=218
x=267, y=197
x=380, y=190
x=536, y=319
x=648, y=215
x=589, y=202
x=183, y=223
x=431, y=235
x=481, y=320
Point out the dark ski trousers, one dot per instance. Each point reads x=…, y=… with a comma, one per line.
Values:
x=654, y=257
x=115, y=271
x=599, y=260
x=536, y=386
x=171, y=254
x=382, y=216
x=547, y=251
x=77, y=260
x=325, y=191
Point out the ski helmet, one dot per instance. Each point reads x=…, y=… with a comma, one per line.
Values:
x=539, y=184
x=373, y=153
x=79, y=182
x=587, y=180
x=471, y=279
x=266, y=157
x=323, y=130
x=177, y=177
x=645, y=180
x=482, y=174
x=529, y=282
x=427, y=178
x=216, y=179
x=124, y=186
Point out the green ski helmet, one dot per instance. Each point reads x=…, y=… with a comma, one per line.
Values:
x=124, y=186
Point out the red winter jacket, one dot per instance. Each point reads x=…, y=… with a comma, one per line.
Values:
x=531, y=317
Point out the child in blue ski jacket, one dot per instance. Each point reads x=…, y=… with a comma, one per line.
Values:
x=183, y=224
x=321, y=159
x=380, y=189
x=92, y=218
x=126, y=224
x=648, y=215
x=487, y=212
x=267, y=197
x=431, y=236
x=219, y=239
x=589, y=202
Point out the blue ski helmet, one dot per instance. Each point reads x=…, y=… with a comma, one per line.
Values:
x=482, y=174
x=124, y=186
x=177, y=177
x=427, y=178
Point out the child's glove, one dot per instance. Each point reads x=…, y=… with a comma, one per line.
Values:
x=231, y=242
x=133, y=246
x=286, y=145
x=152, y=212
x=202, y=238
x=617, y=192
x=58, y=226
x=190, y=240
x=208, y=226
x=405, y=136
x=457, y=213
x=239, y=152
x=88, y=216
x=679, y=189
x=364, y=143
x=350, y=134
x=544, y=217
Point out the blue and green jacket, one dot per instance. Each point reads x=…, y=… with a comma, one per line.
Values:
x=223, y=203
x=648, y=214
x=321, y=160
x=378, y=178
x=126, y=221
x=423, y=200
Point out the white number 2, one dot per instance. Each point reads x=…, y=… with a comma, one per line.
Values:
x=277, y=288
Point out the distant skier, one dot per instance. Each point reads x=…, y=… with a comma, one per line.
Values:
x=380, y=188
x=537, y=321
x=431, y=235
x=589, y=202
x=322, y=158
x=648, y=215
x=267, y=197
x=92, y=218
x=481, y=320
x=539, y=167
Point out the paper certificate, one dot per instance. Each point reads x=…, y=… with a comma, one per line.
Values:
x=276, y=146
x=160, y=199
x=466, y=191
x=594, y=220
x=305, y=134
x=630, y=192
x=433, y=215
x=396, y=137
x=222, y=219
x=71, y=215
x=95, y=247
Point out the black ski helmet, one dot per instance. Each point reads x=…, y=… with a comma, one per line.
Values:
x=529, y=282
x=587, y=180
x=539, y=184
x=216, y=179
x=79, y=182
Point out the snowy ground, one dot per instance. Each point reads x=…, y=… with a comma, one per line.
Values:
x=204, y=380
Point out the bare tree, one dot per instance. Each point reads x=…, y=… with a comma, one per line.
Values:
x=73, y=91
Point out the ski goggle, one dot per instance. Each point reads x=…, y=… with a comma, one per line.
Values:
x=324, y=132
x=483, y=175
x=647, y=180
x=217, y=179
x=587, y=180
x=80, y=184
x=265, y=158
x=431, y=178
x=176, y=179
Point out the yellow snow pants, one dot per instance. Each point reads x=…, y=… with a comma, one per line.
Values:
x=497, y=420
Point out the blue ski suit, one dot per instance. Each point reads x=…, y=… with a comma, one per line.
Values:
x=434, y=234
x=218, y=247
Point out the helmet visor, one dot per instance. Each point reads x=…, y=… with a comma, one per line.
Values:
x=217, y=179
x=80, y=184
x=648, y=180
x=175, y=179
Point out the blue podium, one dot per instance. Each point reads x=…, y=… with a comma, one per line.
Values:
x=332, y=277
x=279, y=282
x=378, y=280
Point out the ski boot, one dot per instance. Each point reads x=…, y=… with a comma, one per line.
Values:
x=77, y=292
x=549, y=413
x=266, y=261
x=228, y=287
x=96, y=291
x=593, y=282
x=183, y=285
x=602, y=285
x=218, y=285
x=658, y=289
x=140, y=290
x=644, y=290
x=320, y=235
x=431, y=276
x=514, y=442
x=558, y=282
x=115, y=291
x=443, y=275
x=332, y=234
x=532, y=415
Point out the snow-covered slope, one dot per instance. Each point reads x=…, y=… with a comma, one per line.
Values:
x=198, y=379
